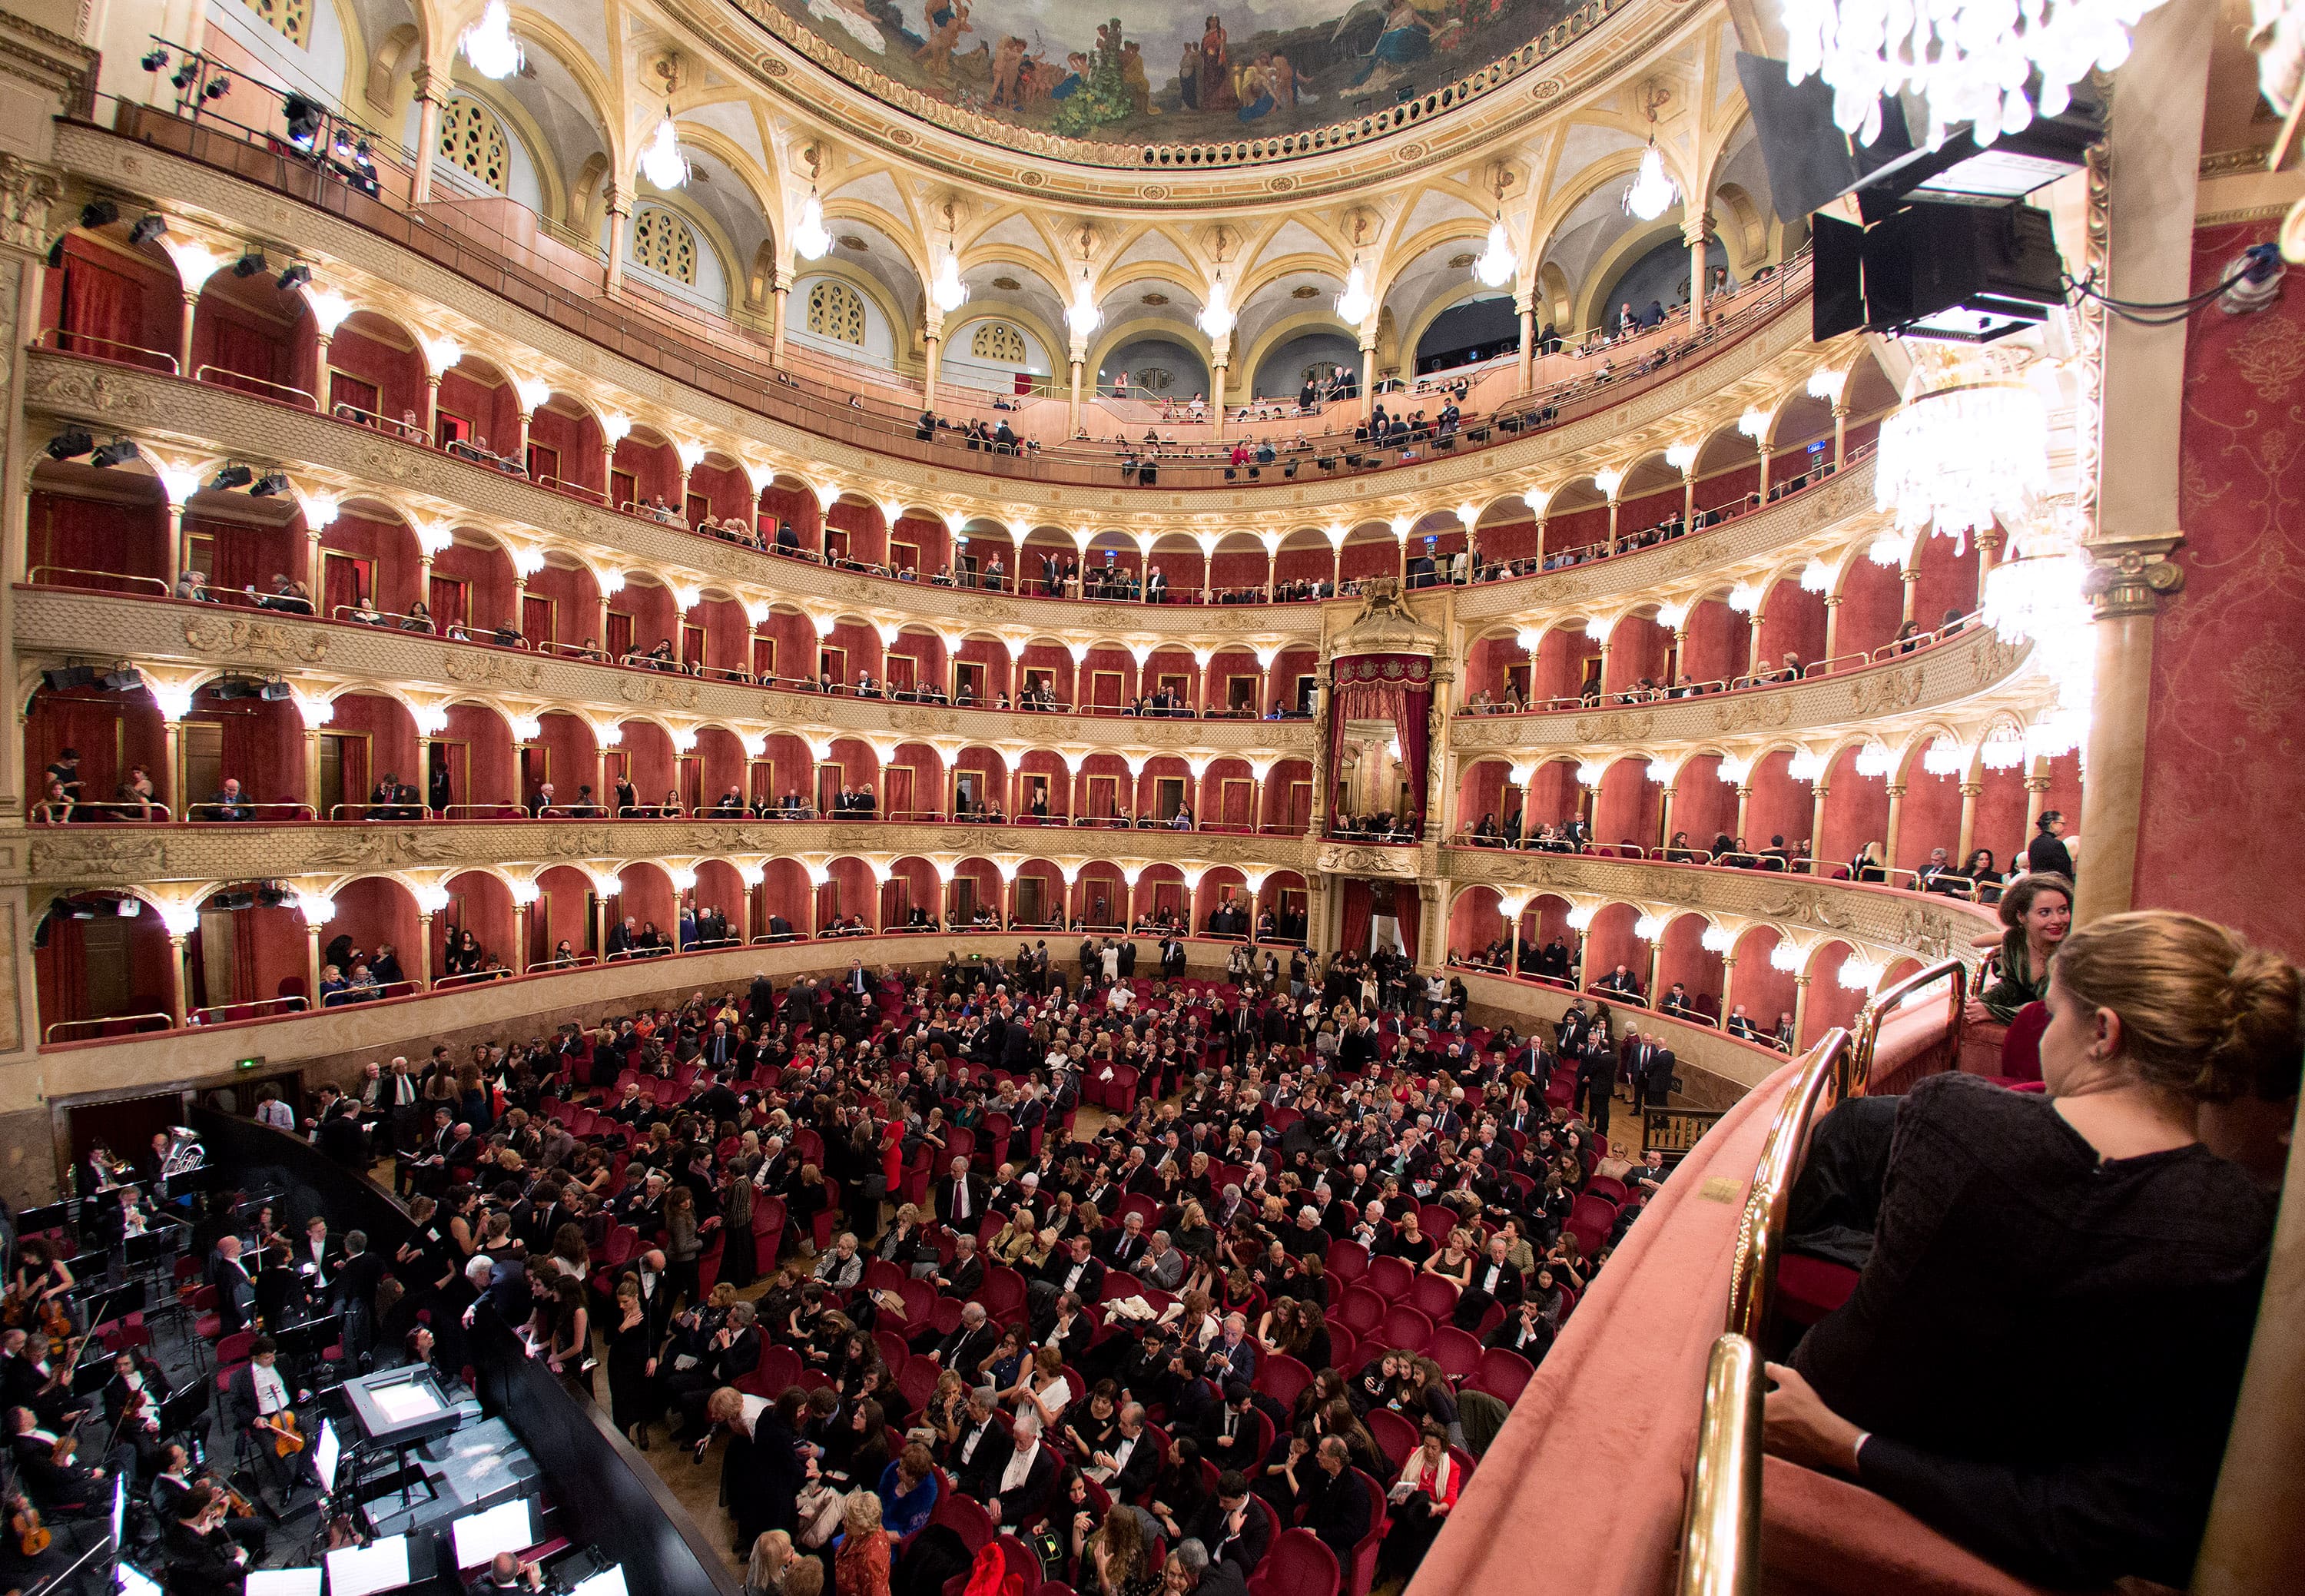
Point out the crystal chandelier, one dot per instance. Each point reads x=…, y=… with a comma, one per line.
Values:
x=1081, y=317
x=1353, y=304
x=1497, y=264
x=1970, y=446
x=1216, y=318
x=810, y=240
x=489, y=46
x=660, y=159
x=948, y=292
x=1652, y=193
x=1969, y=59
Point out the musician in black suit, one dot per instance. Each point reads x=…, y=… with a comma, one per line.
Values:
x=261, y=1404
x=132, y=1403
x=281, y=1297
x=57, y=1484
x=235, y=1287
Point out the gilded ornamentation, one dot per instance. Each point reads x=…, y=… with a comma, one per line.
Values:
x=1805, y=906
x=921, y=721
x=1760, y=711
x=98, y=858
x=26, y=192
x=1619, y=726
x=382, y=847
x=1886, y=693
x=238, y=637
x=492, y=670
x=664, y=692
x=1399, y=862
x=1996, y=659
x=1929, y=933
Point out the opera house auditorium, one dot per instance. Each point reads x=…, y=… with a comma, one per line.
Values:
x=965, y=797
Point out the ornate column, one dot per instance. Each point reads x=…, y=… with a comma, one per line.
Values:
x=1896, y=816
x=2037, y=794
x=1765, y=451
x=520, y=913
x=1072, y=416
x=1840, y=434
x=178, y=982
x=2127, y=583
x=423, y=951
x=1664, y=811
x=312, y=964
x=1219, y=362
x=1816, y=819
x=1524, y=367
x=1969, y=790
x=431, y=90
x=1800, y=1009
x=783, y=291
x=1693, y=230
x=1368, y=374
x=933, y=331
x=620, y=216
x=1832, y=625
x=1744, y=803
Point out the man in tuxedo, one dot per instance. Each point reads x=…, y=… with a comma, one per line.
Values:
x=733, y=1352
x=29, y=1380
x=1231, y=1526
x=1027, y=1475
x=1569, y=1031
x=60, y=1490
x=1128, y=1244
x=281, y=1298
x=1072, y=1269
x=1128, y=1461
x=1232, y=1355
x=959, y=1199
x=1596, y=1086
x=971, y=1340
x=965, y=1273
x=1526, y=1331
x=1494, y=1280
x=979, y=1452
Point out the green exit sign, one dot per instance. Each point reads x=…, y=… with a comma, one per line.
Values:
x=248, y=1064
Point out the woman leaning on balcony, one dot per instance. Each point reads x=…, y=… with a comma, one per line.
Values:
x=2042, y=1355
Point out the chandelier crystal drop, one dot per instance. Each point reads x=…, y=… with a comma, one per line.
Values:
x=1959, y=458
x=1497, y=264
x=948, y=291
x=1216, y=318
x=2004, y=749
x=1874, y=760
x=809, y=239
x=489, y=46
x=1353, y=304
x=661, y=158
x=1969, y=59
x=1651, y=193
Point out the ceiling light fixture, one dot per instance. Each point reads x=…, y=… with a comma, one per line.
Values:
x=1497, y=264
x=948, y=291
x=489, y=46
x=1969, y=447
x=1969, y=59
x=1216, y=318
x=810, y=240
x=661, y=158
x=1354, y=305
x=1081, y=317
x=1652, y=193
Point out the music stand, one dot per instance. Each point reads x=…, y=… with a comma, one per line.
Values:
x=184, y=1410
x=55, y=1216
x=303, y=1344
x=117, y=1303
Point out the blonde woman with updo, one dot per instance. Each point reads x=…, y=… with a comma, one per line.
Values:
x=2043, y=1353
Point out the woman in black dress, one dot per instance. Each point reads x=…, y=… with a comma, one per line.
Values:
x=740, y=1252
x=633, y=1397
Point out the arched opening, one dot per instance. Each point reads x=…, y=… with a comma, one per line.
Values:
x=103, y=967
x=473, y=936
x=371, y=941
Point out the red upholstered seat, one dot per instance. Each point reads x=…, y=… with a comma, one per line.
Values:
x=1348, y=1261
x=1395, y=1436
x=1433, y=1297
x=2021, y=1049
x=1405, y=1328
x=1809, y=1288
x=1503, y=1374
x=1389, y=1277
x=1457, y=1353
x=1297, y=1563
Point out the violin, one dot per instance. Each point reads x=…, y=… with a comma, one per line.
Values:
x=55, y=1324
x=286, y=1441
x=24, y=1525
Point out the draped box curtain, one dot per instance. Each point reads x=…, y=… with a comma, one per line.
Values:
x=61, y=970
x=86, y=534
x=90, y=727
x=249, y=351
x=236, y=558
x=1395, y=688
x=1353, y=937
x=103, y=304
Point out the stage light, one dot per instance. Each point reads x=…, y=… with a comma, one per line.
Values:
x=99, y=213
x=305, y=118
x=231, y=477
x=271, y=483
x=296, y=276
x=184, y=75
x=118, y=452
x=70, y=442
x=69, y=677
x=249, y=264
x=216, y=88
x=154, y=59
x=126, y=679
x=148, y=227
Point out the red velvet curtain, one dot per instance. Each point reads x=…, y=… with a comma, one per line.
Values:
x=90, y=727
x=82, y=534
x=247, y=350
x=344, y=586
x=447, y=602
x=235, y=558
x=1396, y=687
x=61, y=970
x=1353, y=937
x=103, y=304
x=1407, y=907
x=243, y=958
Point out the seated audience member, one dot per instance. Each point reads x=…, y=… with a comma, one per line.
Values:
x=2090, y=1224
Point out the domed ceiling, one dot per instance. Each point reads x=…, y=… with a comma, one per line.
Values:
x=1170, y=72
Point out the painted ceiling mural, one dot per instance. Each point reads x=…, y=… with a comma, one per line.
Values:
x=1173, y=72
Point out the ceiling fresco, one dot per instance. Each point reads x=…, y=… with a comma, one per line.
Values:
x=1175, y=72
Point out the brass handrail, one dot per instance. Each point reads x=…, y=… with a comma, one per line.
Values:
x=1720, y=1532
x=1761, y=1227
x=1865, y=1035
